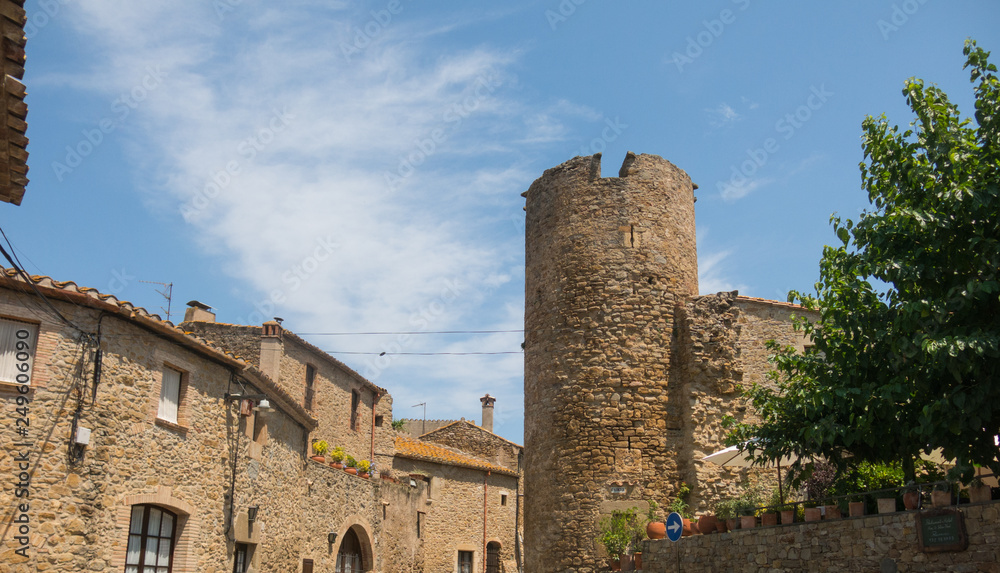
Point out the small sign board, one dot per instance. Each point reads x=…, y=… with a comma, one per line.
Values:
x=675, y=526
x=617, y=490
x=941, y=530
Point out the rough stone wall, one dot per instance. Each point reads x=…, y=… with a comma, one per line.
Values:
x=875, y=543
x=243, y=341
x=417, y=427
x=454, y=514
x=470, y=438
x=77, y=506
x=608, y=260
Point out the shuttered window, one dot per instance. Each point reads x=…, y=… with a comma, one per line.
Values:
x=170, y=395
x=17, y=350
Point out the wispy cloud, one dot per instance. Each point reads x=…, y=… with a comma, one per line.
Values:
x=275, y=148
x=712, y=277
x=722, y=116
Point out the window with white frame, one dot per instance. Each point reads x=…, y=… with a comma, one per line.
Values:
x=170, y=395
x=17, y=350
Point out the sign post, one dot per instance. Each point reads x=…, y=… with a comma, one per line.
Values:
x=675, y=526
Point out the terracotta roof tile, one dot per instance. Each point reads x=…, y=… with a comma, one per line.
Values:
x=411, y=448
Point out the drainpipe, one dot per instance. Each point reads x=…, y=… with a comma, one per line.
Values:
x=485, y=485
x=375, y=398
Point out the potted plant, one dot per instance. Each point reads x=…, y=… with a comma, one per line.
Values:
x=336, y=457
x=813, y=513
x=616, y=533
x=386, y=475
x=941, y=495
x=746, y=509
x=680, y=505
x=363, y=467
x=352, y=465
x=911, y=496
x=979, y=492
x=319, y=448
x=856, y=508
x=725, y=511
x=655, y=529
x=769, y=515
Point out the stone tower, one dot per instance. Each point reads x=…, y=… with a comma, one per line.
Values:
x=609, y=263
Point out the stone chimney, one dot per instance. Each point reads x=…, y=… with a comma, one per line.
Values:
x=271, y=349
x=487, y=401
x=198, y=312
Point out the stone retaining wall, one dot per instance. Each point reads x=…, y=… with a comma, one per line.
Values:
x=886, y=543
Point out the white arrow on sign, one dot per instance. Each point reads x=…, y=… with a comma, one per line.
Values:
x=674, y=526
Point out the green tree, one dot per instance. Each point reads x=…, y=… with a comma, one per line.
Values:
x=905, y=356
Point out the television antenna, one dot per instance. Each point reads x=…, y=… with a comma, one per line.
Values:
x=167, y=293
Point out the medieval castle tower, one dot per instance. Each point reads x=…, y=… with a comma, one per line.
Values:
x=626, y=369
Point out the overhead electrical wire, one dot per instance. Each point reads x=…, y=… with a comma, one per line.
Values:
x=406, y=332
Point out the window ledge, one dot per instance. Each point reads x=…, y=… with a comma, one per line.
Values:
x=183, y=430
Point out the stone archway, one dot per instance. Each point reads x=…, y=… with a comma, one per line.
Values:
x=355, y=551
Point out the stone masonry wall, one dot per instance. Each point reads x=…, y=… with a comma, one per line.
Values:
x=454, y=514
x=608, y=262
x=885, y=543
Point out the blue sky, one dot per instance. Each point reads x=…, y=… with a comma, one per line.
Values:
x=357, y=166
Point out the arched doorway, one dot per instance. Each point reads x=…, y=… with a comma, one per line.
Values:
x=493, y=557
x=349, y=555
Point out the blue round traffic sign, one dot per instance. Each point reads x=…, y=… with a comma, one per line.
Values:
x=675, y=526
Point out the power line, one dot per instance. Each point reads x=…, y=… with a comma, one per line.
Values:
x=406, y=332
x=422, y=353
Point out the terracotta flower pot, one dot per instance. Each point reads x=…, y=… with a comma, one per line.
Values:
x=814, y=514
x=656, y=530
x=832, y=512
x=732, y=524
x=614, y=564
x=980, y=494
x=707, y=523
x=687, y=530
x=856, y=508
x=365, y=475
x=352, y=471
x=721, y=525
x=887, y=505
x=337, y=465
x=911, y=500
x=769, y=519
x=940, y=498
x=748, y=521
x=319, y=459
x=787, y=516
x=637, y=560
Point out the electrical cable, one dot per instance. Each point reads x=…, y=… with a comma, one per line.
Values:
x=422, y=353
x=31, y=283
x=405, y=332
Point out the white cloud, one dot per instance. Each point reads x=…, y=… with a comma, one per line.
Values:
x=723, y=115
x=712, y=277
x=733, y=191
x=358, y=192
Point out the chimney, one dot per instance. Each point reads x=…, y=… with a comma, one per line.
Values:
x=487, y=401
x=198, y=312
x=271, y=349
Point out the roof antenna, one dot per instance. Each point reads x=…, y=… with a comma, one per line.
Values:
x=167, y=293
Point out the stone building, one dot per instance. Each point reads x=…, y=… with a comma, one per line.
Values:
x=131, y=443
x=628, y=372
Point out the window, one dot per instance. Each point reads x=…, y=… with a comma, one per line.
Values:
x=17, y=350
x=420, y=524
x=150, y=540
x=378, y=421
x=307, y=566
x=170, y=395
x=355, y=402
x=465, y=562
x=241, y=558
x=349, y=554
x=493, y=557
x=503, y=499
x=310, y=390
